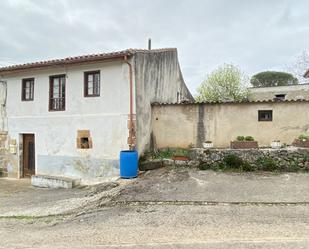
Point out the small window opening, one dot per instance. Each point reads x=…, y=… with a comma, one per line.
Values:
x=84, y=143
x=265, y=115
x=84, y=140
x=280, y=96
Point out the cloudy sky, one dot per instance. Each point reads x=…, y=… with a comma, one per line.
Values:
x=255, y=35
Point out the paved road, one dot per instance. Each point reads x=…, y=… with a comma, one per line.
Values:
x=146, y=213
x=166, y=226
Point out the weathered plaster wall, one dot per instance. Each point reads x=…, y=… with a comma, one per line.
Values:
x=158, y=78
x=300, y=91
x=56, y=132
x=182, y=125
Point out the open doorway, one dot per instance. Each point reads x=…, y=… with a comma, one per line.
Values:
x=28, y=168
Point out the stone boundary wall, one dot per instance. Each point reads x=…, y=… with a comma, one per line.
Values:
x=285, y=159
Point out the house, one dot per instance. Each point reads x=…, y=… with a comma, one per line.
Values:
x=291, y=92
x=71, y=117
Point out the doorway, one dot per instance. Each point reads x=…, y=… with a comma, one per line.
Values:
x=28, y=155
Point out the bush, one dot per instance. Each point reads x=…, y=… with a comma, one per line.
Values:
x=249, y=138
x=233, y=161
x=204, y=166
x=303, y=137
x=267, y=164
x=240, y=138
x=246, y=166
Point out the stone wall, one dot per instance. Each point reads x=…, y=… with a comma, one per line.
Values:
x=284, y=159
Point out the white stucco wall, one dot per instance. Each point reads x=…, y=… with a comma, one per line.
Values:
x=56, y=132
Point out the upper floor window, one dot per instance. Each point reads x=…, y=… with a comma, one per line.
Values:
x=57, y=93
x=27, y=89
x=92, y=84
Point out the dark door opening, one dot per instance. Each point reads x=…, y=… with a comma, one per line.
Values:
x=28, y=155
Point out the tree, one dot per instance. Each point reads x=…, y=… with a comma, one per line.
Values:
x=226, y=83
x=299, y=66
x=272, y=78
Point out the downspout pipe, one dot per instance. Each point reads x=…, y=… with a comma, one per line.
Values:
x=131, y=130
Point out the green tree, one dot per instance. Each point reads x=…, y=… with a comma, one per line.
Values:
x=272, y=78
x=227, y=82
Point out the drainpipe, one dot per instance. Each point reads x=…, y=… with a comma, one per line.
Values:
x=131, y=129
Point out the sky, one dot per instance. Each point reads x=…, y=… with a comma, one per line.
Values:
x=255, y=35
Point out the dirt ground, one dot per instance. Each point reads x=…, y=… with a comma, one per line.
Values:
x=166, y=208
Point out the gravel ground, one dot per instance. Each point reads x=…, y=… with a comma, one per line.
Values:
x=166, y=226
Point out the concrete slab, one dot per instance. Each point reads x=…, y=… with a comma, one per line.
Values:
x=46, y=181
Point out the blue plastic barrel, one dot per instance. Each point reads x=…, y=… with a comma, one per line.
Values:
x=128, y=164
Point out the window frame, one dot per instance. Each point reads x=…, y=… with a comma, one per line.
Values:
x=86, y=74
x=51, y=85
x=23, y=88
x=260, y=112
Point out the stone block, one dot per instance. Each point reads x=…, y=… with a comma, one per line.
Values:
x=45, y=181
x=150, y=165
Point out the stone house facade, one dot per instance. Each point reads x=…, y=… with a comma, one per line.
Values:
x=71, y=117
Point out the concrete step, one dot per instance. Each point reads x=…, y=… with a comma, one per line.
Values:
x=46, y=181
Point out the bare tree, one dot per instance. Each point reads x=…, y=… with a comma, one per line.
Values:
x=300, y=66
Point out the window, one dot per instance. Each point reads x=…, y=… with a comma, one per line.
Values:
x=265, y=115
x=27, y=89
x=57, y=93
x=92, y=84
x=84, y=143
x=280, y=96
x=84, y=140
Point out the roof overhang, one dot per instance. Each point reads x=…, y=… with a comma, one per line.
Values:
x=77, y=60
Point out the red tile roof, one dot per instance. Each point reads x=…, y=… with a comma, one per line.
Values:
x=234, y=102
x=80, y=59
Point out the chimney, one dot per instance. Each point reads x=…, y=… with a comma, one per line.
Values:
x=149, y=44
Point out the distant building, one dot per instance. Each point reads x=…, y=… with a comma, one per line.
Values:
x=291, y=92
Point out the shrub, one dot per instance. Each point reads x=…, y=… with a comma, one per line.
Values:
x=267, y=164
x=246, y=166
x=303, y=137
x=240, y=138
x=204, y=166
x=249, y=138
x=233, y=161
